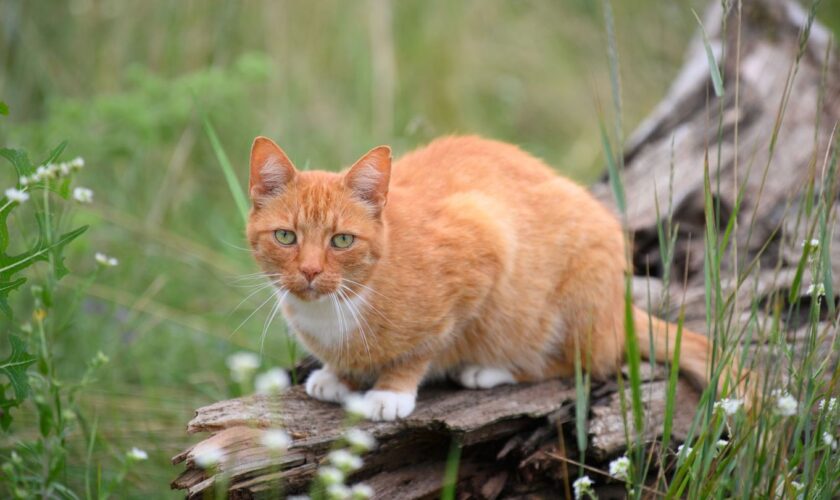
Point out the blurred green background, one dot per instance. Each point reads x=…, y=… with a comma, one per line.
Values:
x=126, y=83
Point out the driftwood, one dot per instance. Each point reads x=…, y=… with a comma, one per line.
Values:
x=516, y=441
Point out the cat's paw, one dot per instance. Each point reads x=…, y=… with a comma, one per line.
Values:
x=388, y=405
x=483, y=377
x=324, y=385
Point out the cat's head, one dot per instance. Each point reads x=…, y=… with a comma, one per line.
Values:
x=313, y=232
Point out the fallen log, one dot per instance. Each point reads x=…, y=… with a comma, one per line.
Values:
x=517, y=441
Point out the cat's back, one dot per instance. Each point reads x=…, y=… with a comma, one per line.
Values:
x=467, y=163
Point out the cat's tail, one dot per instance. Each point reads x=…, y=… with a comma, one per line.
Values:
x=657, y=339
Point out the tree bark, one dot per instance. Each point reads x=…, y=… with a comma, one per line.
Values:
x=519, y=440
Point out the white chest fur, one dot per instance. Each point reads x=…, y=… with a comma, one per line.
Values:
x=329, y=318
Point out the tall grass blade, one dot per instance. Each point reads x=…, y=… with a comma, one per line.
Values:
x=227, y=169
x=450, y=475
x=717, y=81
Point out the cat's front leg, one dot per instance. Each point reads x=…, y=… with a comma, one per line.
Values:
x=325, y=385
x=395, y=392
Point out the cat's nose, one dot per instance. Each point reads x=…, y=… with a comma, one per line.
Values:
x=310, y=272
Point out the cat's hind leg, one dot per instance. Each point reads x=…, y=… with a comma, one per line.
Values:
x=483, y=377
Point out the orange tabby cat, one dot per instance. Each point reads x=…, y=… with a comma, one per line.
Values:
x=468, y=258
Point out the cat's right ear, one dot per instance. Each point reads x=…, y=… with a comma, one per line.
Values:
x=271, y=170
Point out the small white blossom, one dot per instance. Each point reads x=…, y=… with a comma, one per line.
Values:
x=242, y=365
x=271, y=382
x=361, y=491
x=275, y=439
x=106, y=261
x=77, y=163
x=345, y=460
x=812, y=243
x=208, y=455
x=137, y=454
x=582, y=486
x=829, y=405
x=331, y=475
x=722, y=443
x=357, y=405
x=620, y=468
x=797, y=486
x=359, y=440
x=83, y=195
x=829, y=440
x=786, y=405
x=816, y=289
x=729, y=405
x=688, y=449
x=24, y=181
x=17, y=195
x=338, y=492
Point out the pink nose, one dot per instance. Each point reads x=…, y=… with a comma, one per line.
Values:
x=310, y=272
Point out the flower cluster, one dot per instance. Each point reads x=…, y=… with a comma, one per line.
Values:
x=208, y=455
x=786, y=405
x=243, y=365
x=275, y=439
x=583, y=487
x=105, y=261
x=343, y=462
x=137, y=455
x=53, y=171
x=620, y=468
x=17, y=195
x=83, y=195
x=829, y=405
x=729, y=405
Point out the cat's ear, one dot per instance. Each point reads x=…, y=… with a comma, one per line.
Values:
x=271, y=170
x=368, y=178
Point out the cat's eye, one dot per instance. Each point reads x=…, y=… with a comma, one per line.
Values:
x=342, y=240
x=285, y=237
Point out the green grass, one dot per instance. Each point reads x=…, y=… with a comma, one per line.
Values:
x=134, y=90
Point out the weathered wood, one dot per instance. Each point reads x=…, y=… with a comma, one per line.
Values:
x=515, y=439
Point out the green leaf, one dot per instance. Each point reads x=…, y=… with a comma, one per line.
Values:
x=717, y=81
x=19, y=262
x=7, y=287
x=4, y=108
x=14, y=367
x=19, y=159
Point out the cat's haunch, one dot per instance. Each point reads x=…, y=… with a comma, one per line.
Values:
x=467, y=258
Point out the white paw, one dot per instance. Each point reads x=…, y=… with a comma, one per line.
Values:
x=324, y=385
x=388, y=405
x=483, y=377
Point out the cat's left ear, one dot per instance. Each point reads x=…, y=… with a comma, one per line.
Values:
x=368, y=178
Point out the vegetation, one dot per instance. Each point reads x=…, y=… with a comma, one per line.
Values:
x=97, y=359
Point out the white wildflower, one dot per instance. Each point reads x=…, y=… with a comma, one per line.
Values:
x=331, y=475
x=275, y=439
x=620, y=468
x=208, y=455
x=242, y=365
x=829, y=405
x=359, y=440
x=729, y=405
x=137, y=454
x=688, y=449
x=106, y=261
x=361, y=491
x=77, y=163
x=271, y=382
x=357, y=405
x=17, y=195
x=83, y=195
x=41, y=173
x=813, y=243
x=816, y=289
x=338, y=492
x=582, y=486
x=797, y=486
x=722, y=443
x=24, y=181
x=786, y=405
x=829, y=440
x=345, y=460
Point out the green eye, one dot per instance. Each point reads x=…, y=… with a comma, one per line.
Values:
x=342, y=240
x=285, y=237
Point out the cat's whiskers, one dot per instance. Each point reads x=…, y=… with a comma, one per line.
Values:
x=260, y=288
x=266, y=301
x=362, y=285
x=356, y=317
x=274, y=310
x=364, y=300
x=342, y=325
